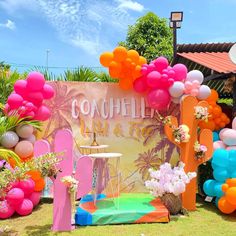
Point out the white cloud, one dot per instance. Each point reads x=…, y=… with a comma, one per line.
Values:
x=131, y=5
x=9, y=25
x=87, y=24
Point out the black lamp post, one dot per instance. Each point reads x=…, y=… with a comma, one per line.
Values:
x=176, y=17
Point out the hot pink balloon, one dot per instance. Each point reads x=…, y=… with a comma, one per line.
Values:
x=30, y=114
x=140, y=85
x=15, y=196
x=151, y=67
x=25, y=208
x=20, y=87
x=29, y=106
x=171, y=73
x=36, y=98
x=158, y=99
x=27, y=186
x=35, y=198
x=153, y=79
x=43, y=113
x=48, y=91
x=180, y=72
x=35, y=81
x=161, y=63
x=6, y=211
x=15, y=101
x=144, y=70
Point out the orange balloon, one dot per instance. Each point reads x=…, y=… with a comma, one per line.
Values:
x=137, y=72
x=213, y=96
x=210, y=109
x=142, y=60
x=222, y=124
x=225, y=206
x=39, y=185
x=106, y=58
x=231, y=182
x=34, y=174
x=127, y=62
x=223, y=117
x=225, y=187
x=217, y=127
x=217, y=121
x=227, y=121
x=120, y=54
x=231, y=195
x=212, y=103
x=12, y=162
x=133, y=55
x=126, y=84
x=217, y=111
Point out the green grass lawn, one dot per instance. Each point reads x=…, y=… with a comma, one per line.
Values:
x=206, y=220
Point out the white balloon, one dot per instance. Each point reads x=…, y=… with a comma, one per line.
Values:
x=204, y=92
x=176, y=100
x=234, y=123
x=195, y=75
x=177, y=89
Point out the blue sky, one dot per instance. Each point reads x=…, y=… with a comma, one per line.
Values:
x=77, y=31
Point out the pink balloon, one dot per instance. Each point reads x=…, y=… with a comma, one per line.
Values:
x=29, y=106
x=218, y=144
x=195, y=84
x=161, y=63
x=158, y=99
x=48, y=91
x=165, y=71
x=43, y=113
x=171, y=82
x=30, y=114
x=140, y=85
x=15, y=196
x=35, y=81
x=194, y=92
x=231, y=148
x=180, y=72
x=153, y=79
x=228, y=136
x=36, y=98
x=171, y=73
x=35, y=198
x=20, y=87
x=151, y=67
x=234, y=124
x=6, y=211
x=144, y=70
x=27, y=186
x=188, y=85
x=15, y=101
x=25, y=208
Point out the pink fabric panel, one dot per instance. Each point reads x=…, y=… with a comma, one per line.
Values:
x=41, y=147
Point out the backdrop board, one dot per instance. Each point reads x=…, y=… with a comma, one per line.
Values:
x=121, y=120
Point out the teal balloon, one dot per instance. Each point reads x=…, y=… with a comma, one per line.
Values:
x=209, y=187
x=233, y=174
x=216, y=136
x=232, y=158
x=220, y=174
x=221, y=158
x=216, y=201
x=218, y=190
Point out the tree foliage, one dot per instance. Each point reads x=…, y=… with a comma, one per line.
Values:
x=150, y=36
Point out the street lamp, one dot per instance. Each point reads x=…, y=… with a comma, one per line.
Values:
x=47, y=52
x=176, y=17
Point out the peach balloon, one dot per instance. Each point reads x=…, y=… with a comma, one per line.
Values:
x=218, y=145
x=24, y=149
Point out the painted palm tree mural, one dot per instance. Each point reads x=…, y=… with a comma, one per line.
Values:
x=163, y=150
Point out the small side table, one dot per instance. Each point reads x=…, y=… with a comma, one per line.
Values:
x=85, y=150
x=105, y=157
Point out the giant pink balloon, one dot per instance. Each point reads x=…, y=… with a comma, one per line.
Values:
x=15, y=196
x=35, y=198
x=27, y=186
x=6, y=211
x=180, y=72
x=20, y=87
x=158, y=99
x=25, y=208
x=234, y=124
x=15, y=101
x=140, y=85
x=48, y=91
x=35, y=81
x=36, y=98
x=42, y=114
x=153, y=79
x=161, y=63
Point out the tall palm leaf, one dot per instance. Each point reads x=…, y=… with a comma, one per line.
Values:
x=84, y=74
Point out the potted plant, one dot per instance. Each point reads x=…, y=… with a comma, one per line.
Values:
x=168, y=183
